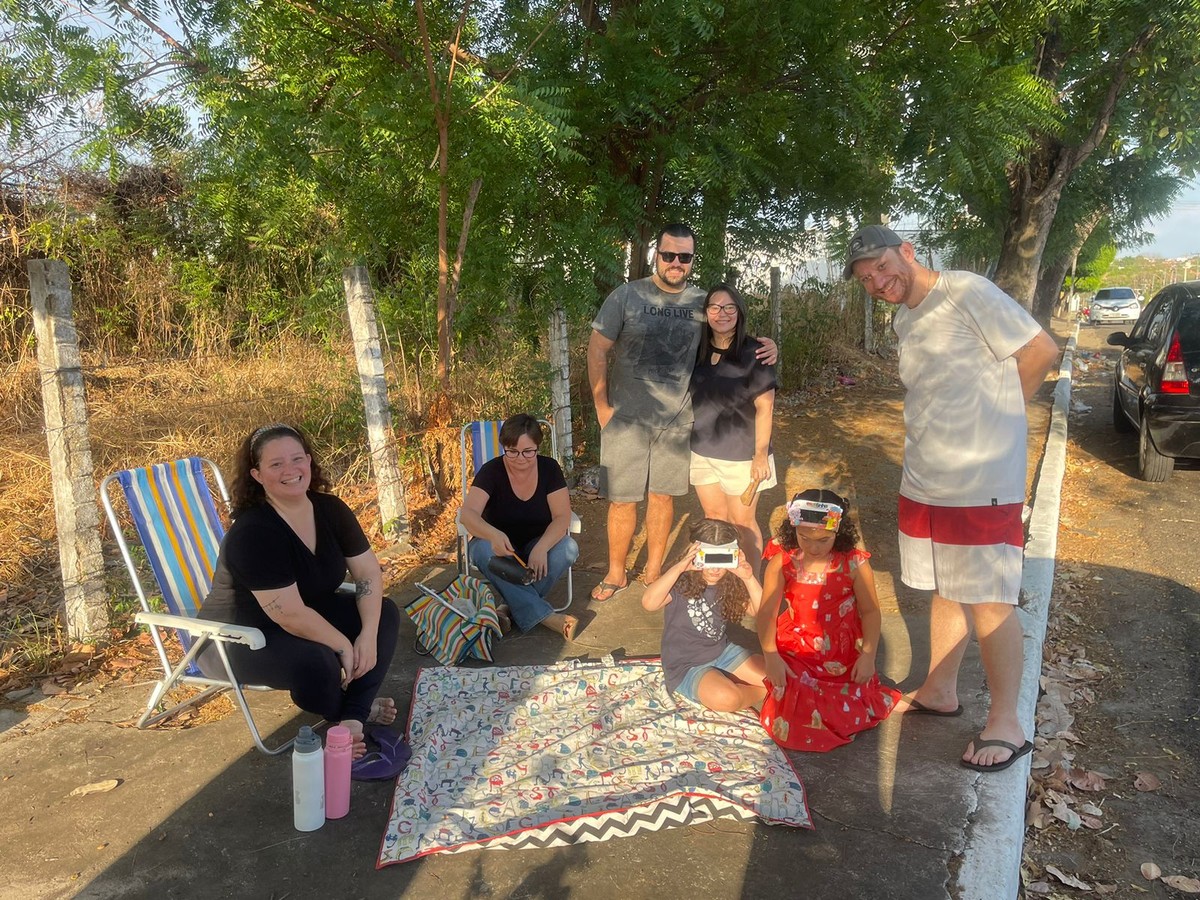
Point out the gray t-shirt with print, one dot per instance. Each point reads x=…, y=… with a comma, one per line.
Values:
x=655, y=337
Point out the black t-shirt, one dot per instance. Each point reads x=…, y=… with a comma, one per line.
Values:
x=723, y=403
x=261, y=552
x=693, y=633
x=524, y=521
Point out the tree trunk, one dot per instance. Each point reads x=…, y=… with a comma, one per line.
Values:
x=1051, y=281
x=1036, y=183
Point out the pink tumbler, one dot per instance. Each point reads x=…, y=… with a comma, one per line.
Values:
x=339, y=748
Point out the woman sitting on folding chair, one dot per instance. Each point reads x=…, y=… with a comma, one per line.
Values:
x=279, y=569
x=518, y=508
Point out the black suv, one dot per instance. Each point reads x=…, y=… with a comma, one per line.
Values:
x=1157, y=384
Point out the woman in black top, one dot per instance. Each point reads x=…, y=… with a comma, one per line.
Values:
x=518, y=505
x=279, y=569
x=733, y=398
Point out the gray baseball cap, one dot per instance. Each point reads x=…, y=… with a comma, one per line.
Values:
x=870, y=242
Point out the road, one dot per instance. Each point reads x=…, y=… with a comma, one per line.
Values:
x=1128, y=549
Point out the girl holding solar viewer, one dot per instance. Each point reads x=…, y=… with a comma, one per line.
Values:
x=712, y=585
x=819, y=627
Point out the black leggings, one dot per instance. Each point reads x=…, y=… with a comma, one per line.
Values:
x=311, y=671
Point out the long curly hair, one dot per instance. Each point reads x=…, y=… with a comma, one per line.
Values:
x=847, y=533
x=245, y=492
x=731, y=592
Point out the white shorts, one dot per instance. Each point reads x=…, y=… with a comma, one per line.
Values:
x=968, y=554
x=732, y=475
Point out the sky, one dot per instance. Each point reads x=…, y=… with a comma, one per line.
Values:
x=1179, y=233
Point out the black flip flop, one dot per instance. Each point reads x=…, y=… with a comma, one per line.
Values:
x=1017, y=753
x=917, y=708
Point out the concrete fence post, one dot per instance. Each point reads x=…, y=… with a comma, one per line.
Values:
x=385, y=464
x=560, y=387
x=777, y=318
x=64, y=408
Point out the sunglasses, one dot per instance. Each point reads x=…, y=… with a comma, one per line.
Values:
x=668, y=256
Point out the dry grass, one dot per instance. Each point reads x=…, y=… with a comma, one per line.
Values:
x=143, y=411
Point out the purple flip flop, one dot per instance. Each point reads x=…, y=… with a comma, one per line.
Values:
x=386, y=757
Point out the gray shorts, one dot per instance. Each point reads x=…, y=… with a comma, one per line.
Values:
x=636, y=457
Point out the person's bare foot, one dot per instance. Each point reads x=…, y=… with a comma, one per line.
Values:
x=609, y=587
x=383, y=711
x=648, y=578
x=995, y=756
x=355, y=727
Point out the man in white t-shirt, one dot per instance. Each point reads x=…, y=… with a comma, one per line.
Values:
x=970, y=359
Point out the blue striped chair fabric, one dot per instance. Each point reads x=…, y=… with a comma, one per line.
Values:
x=179, y=528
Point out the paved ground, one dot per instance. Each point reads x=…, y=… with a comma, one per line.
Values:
x=199, y=813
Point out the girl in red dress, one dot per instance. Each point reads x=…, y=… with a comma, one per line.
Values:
x=819, y=628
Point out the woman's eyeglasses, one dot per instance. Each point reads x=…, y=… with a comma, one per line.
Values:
x=727, y=308
x=668, y=256
x=513, y=452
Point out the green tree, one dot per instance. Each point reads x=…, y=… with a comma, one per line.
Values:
x=1116, y=64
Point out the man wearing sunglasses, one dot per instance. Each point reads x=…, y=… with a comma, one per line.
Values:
x=970, y=359
x=650, y=329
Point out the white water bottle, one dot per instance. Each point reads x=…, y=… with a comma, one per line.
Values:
x=308, y=781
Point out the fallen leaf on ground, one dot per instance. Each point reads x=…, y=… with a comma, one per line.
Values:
x=1037, y=816
x=1105, y=888
x=1086, y=781
x=1068, y=880
x=1147, y=781
x=1038, y=887
x=96, y=787
x=1091, y=809
x=1150, y=871
x=1066, y=814
x=1183, y=883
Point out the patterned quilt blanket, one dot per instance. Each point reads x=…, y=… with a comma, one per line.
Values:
x=543, y=756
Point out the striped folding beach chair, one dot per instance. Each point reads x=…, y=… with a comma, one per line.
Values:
x=483, y=439
x=176, y=521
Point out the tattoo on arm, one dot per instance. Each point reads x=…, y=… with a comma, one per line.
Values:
x=272, y=606
x=362, y=587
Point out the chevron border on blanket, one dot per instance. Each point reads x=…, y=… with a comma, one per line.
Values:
x=528, y=757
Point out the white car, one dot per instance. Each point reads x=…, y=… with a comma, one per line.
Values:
x=1115, y=304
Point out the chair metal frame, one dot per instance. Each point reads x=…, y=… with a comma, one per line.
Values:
x=489, y=429
x=195, y=634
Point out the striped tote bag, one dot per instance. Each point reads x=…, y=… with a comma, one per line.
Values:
x=456, y=623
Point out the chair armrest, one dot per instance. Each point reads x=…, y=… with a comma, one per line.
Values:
x=576, y=525
x=217, y=631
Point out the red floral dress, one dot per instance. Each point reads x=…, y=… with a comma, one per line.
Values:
x=819, y=636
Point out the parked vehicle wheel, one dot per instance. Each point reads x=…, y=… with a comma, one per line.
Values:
x=1152, y=465
x=1120, y=421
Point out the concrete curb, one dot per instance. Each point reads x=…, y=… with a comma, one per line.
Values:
x=991, y=858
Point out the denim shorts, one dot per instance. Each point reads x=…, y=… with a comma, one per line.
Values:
x=729, y=661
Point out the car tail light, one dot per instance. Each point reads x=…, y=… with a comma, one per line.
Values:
x=1174, y=377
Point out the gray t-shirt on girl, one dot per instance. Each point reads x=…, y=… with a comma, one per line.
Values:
x=693, y=633
x=655, y=337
